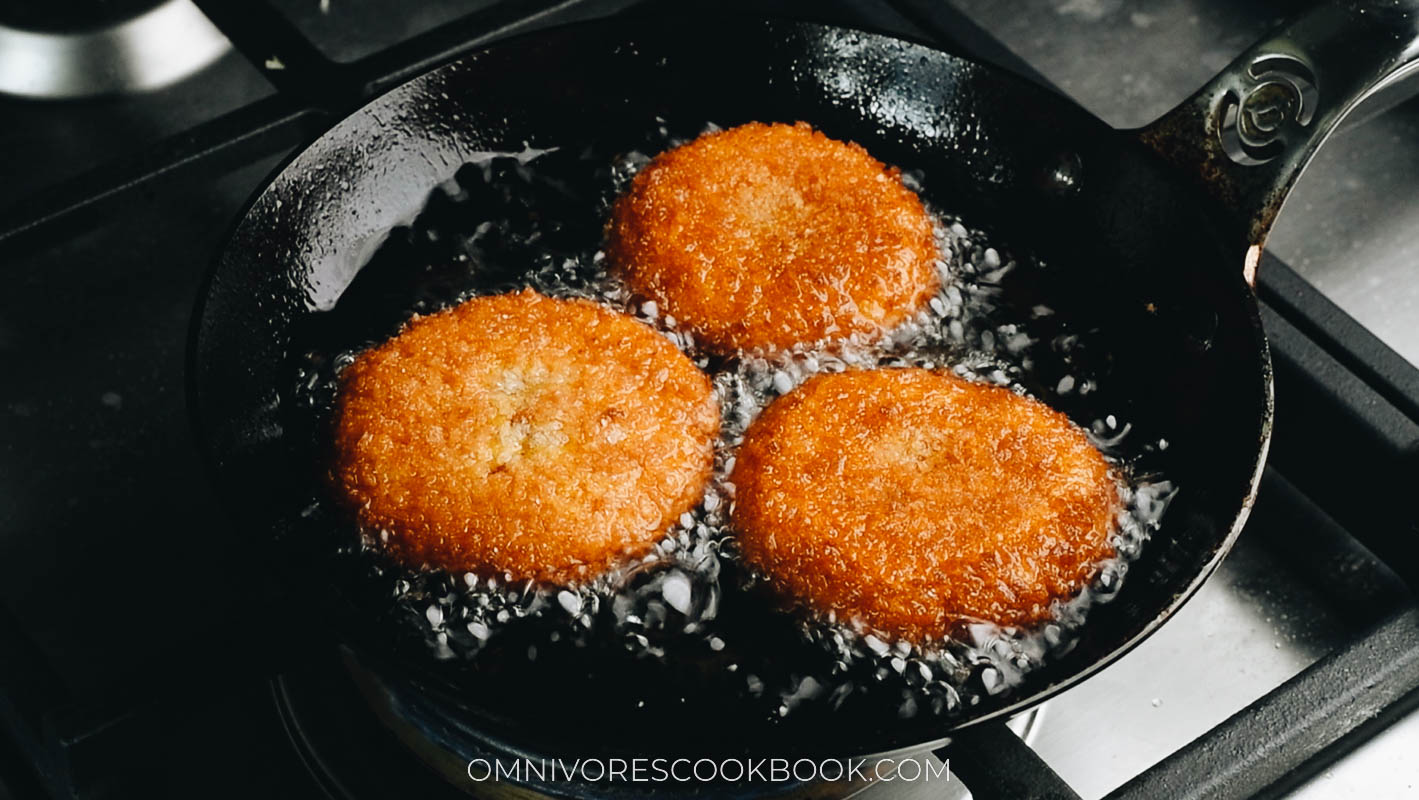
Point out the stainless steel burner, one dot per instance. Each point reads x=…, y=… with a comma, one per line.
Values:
x=149, y=50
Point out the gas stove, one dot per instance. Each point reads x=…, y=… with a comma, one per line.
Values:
x=144, y=651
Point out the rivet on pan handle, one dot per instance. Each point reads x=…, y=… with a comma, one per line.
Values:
x=1249, y=133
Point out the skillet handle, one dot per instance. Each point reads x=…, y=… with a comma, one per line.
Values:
x=1248, y=134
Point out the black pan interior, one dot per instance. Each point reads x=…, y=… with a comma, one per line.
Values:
x=1135, y=259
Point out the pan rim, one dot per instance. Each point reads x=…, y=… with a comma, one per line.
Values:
x=632, y=29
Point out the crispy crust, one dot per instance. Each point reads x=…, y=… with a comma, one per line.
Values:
x=767, y=236
x=523, y=435
x=911, y=500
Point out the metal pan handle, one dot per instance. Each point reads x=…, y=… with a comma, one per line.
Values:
x=1249, y=133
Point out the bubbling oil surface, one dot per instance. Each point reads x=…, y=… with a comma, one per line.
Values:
x=533, y=220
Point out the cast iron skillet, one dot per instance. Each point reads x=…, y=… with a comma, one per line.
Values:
x=1151, y=239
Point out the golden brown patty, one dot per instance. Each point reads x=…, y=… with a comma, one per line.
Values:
x=911, y=499
x=521, y=434
x=766, y=236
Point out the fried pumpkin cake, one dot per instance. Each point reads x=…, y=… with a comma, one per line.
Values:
x=911, y=500
x=766, y=236
x=522, y=435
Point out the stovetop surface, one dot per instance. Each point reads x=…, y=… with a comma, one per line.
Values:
x=1348, y=227
x=129, y=589
x=46, y=142
x=347, y=30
